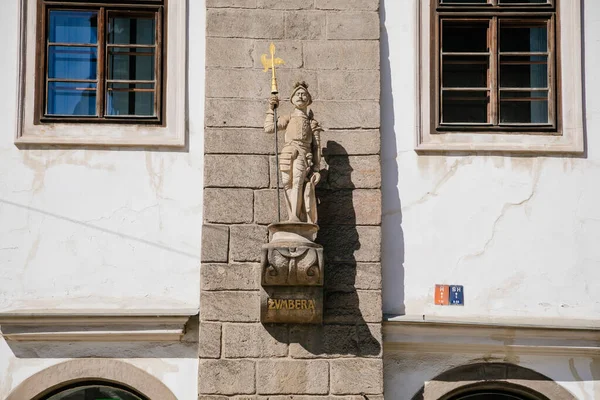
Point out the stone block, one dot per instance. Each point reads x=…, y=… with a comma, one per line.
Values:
x=362, y=142
x=250, y=171
x=298, y=377
x=254, y=341
x=231, y=3
x=209, y=343
x=343, y=243
x=254, y=24
x=289, y=397
x=360, y=172
x=215, y=243
x=239, y=141
x=230, y=276
x=333, y=341
x=362, y=114
x=349, y=207
x=350, y=376
x=237, y=306
x=228, y=52
x=367, y=5
x=228, y=206
x=237, y=83
x=352, y=307
x=235, y=113
x=353, y=25
x=254, y=83
x=289, y=50
x=347, y=277
x=349, y=85
x=246, y=242
x=285, y=4
x=227, y=377
x=265, y=206
x=335, y=55
x=305, y=25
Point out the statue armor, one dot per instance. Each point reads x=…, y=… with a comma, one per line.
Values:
x=299, y=159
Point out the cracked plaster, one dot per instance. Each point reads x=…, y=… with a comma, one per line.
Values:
x=511, y=229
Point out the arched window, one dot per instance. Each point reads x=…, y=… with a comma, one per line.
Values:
x=93, y=391
x=492, y=381
x=92, y=379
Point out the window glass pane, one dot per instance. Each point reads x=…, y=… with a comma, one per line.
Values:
x=464, y=37
x=465, y=106
x=131, y=30
x=73, y=27
x=72, y=62
x=524, y=71
x=524, y=38
x=524, y=107
x=130, y=99
x=465, y=71
x=131, y=63
x=71, y=98
x=95, y=392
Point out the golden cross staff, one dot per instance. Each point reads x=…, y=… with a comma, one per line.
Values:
x=270, y=64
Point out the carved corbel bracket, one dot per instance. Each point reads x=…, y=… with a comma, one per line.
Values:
x=292, y=266
x=292, y=277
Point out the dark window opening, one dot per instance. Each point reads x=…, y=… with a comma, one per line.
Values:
x=492, y=395
x=496, y=65
x=94, y=391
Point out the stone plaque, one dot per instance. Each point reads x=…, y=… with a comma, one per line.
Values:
x=292, y=276
x=292, y=304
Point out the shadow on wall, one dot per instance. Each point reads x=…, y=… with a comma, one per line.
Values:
x=392, y=252
x=186, y=348
x=345, y=330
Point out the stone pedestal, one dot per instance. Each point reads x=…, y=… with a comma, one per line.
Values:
x=292, y=275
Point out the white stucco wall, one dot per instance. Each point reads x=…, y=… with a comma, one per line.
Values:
x=100, y=229
x=520, y=233
x=85, y=228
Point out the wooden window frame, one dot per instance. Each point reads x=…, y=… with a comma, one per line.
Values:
x=563, y=134
x=104, y=10
x=168, y=128
x=494, y=14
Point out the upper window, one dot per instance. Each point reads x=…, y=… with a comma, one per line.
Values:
x=500, y=75
x=100, y=63
x=496, y=65
x=97, y=72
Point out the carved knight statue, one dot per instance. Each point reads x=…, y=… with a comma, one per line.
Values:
x=300, y=157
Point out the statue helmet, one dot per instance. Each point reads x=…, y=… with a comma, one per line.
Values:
x=301, y=85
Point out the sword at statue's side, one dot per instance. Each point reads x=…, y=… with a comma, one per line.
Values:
x=274, y=91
